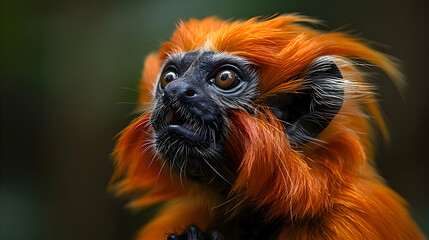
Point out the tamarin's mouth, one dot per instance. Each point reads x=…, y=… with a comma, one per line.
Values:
x=187, y=137
x=185, y=125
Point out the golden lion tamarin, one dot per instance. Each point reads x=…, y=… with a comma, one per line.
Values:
x=259, y=129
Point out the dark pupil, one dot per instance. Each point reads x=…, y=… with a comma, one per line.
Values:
x=169, y=77
x=224, y=76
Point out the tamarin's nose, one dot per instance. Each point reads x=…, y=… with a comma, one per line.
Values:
x=181, y=90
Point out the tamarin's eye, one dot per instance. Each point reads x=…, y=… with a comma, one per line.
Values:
x=167, y=77
x=226, y=79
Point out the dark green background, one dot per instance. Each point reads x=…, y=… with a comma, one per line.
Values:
x=64, y=67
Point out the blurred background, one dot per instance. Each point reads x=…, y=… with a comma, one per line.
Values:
x=68, y=70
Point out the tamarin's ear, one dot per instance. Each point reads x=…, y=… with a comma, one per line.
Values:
x=306, y=113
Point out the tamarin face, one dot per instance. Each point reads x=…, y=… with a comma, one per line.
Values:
x=195, y=91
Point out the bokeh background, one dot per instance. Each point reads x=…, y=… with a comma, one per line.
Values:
x=68, y=70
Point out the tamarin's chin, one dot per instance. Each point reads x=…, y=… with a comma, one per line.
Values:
x=259, y=129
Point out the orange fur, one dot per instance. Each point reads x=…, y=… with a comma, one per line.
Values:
x=326, y=190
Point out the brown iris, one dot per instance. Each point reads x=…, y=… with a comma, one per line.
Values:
x=226, y=79
x=168, y=77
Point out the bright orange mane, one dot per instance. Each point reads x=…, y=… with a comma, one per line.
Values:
x=327, y=189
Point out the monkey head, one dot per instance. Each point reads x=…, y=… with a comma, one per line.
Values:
x=219, y=94
x=225, y=100
x=197, y=90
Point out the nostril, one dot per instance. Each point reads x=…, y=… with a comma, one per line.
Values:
x=190, y=92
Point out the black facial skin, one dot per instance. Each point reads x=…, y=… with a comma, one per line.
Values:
x=190, y=117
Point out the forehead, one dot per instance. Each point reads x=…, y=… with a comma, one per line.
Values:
x=186, y=59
